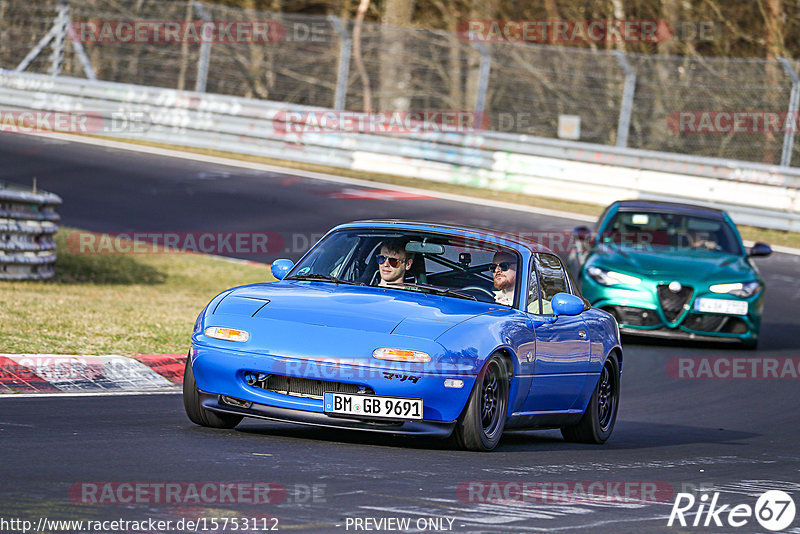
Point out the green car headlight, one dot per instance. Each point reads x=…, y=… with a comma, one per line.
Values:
x=612, y=278
x=739, y=289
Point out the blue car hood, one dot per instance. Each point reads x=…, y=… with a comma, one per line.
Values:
x=367, y=309
x=693, y=266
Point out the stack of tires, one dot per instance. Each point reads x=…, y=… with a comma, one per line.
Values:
x=27, y=225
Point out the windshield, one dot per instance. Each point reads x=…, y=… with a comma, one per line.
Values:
x=414, y=261
x=650, y=229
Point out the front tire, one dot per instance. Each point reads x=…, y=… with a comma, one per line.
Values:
x=481, y=425
x=195, y=410
x=598, y=421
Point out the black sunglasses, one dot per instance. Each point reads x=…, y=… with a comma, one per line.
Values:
x=394, y=262
x=504, y=266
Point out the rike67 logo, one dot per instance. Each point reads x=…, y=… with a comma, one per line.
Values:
x=774, y=510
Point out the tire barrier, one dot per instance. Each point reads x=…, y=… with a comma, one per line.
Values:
x=27, y=226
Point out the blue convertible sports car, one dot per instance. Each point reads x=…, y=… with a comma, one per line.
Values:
x=410, y=328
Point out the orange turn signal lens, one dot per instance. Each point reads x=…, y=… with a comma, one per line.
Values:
x=227, y=334
x=401, y=355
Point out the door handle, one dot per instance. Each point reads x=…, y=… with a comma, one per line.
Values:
x=582, y=334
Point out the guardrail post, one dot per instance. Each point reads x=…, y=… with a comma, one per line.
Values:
x=84, y=59
x=483, y=76
x=205, y=53
x=791, y=118
x=343, y=72
x=624, y=125
x=59, y=36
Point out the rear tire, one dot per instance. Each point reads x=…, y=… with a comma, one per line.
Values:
x=598, y=421
x=481, y=425
x=195, y=410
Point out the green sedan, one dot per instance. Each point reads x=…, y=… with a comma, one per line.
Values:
x=671, y=270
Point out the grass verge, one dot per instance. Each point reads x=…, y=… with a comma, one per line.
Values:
x=751, y=233
x=115, y=303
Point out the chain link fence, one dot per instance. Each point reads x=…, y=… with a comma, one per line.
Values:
x=654, y=102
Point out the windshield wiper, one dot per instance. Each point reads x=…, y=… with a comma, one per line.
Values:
x=321, y=278
x=435, y=289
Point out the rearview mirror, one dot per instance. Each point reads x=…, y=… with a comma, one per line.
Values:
x=280, y=268
x=419, y=247
x=566, y=304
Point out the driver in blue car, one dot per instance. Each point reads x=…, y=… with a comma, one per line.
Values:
x=504, y=272
x=393, y=262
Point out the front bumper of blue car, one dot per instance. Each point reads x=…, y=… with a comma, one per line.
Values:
x=243, y=383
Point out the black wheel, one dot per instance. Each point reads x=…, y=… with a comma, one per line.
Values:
x=597, y=423
x=195, y=410
x=481, y=425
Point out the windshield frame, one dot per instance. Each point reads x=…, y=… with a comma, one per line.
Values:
x=383, y=232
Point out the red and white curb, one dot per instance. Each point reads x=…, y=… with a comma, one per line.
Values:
x=63, y=373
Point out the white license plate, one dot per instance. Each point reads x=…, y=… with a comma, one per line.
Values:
x=372, y=406
x=726, y=306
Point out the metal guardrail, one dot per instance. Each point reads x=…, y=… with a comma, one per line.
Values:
x=614, y=97
x=754, y=194
x=27, y=225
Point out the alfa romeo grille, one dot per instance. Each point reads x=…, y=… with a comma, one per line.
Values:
x=307, y=387
x=672, y=303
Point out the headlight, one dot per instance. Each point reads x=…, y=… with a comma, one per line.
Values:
x=739, y=289
x=401, y=355
x=612, y=278
x=227, y=334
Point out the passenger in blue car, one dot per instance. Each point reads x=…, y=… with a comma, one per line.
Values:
x=504, y=272
x=393, y=262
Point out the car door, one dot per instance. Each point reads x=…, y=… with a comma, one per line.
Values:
x=563, y=344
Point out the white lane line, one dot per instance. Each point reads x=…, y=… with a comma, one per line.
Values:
x=173, y=391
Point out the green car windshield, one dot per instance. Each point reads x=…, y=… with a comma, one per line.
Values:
x=645, y=230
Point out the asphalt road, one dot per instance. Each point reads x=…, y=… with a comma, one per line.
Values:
x=736, y=437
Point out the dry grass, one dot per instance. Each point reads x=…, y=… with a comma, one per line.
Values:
x=115, y=303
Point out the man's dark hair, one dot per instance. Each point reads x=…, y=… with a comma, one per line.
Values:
x=397, y=244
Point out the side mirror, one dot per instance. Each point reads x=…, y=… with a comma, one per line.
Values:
x=583, y=237
x=566, y=304
x=280, y=268
x=581, y=232
x=760, y=249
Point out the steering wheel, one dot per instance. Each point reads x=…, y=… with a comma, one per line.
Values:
x=479, y=289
